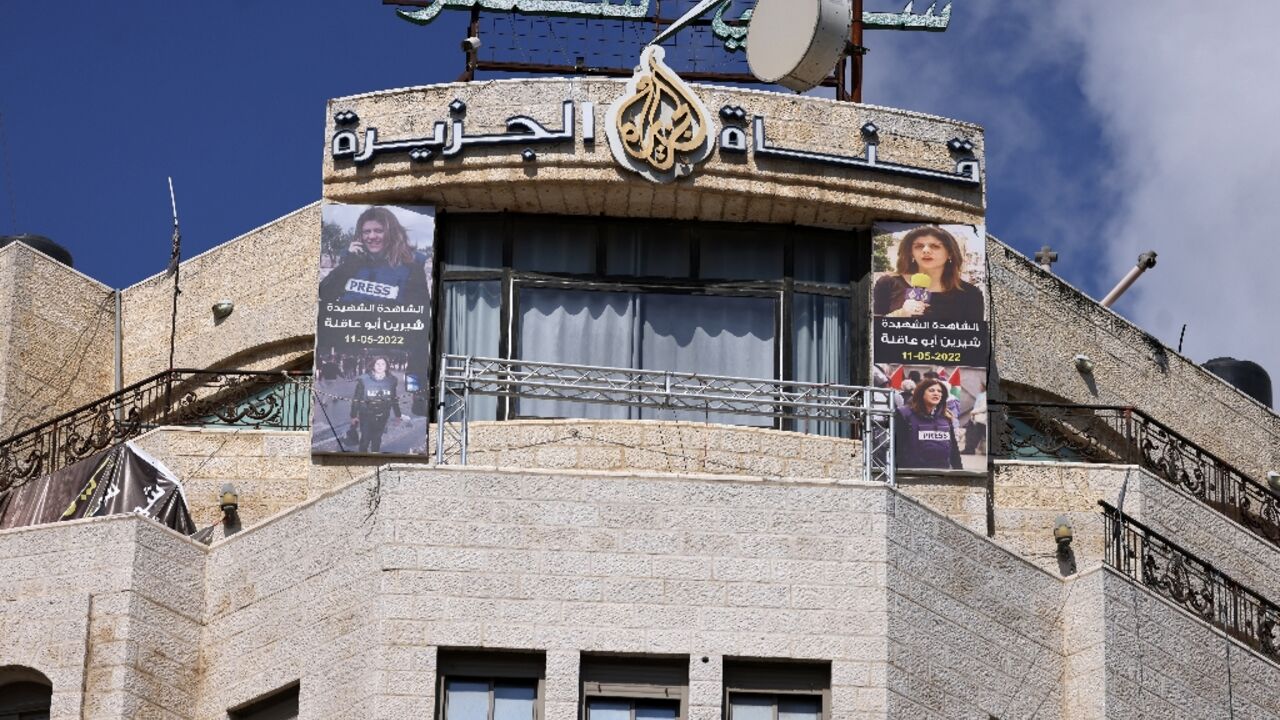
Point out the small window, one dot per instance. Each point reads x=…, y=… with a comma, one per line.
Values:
x=776, y=690
x=490, y=684
x=280, y=705
x=634, y=688
x=25, y=694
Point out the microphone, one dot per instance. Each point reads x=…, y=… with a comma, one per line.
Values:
x=920, y=288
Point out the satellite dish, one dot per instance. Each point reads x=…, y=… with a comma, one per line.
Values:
x=796, y=43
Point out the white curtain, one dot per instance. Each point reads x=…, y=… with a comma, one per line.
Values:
x=821, y=349
x=713, y=335
x=472, y=316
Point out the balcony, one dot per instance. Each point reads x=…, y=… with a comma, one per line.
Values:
x=1059, y=432
x=1150, y=559
x=243, y=399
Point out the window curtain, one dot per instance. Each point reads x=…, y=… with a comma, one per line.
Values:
x=713, y=335
x=472, y=319
x=821, y=351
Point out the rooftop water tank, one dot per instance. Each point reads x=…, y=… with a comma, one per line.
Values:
x=41, y=243
x=1248, y=377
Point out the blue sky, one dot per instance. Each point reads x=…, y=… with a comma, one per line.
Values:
x=1110, y=130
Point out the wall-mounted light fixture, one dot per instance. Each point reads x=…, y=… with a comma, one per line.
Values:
x=1273, y=480
x=222, y=309
x=229, y=498
x=1063, y=534
x=1084, y=364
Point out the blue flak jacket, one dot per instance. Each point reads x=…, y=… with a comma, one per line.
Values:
x=926, y=441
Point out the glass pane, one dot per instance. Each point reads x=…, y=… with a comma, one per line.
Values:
x=799, y=707
x=737, y=255
x=513, y=701
x=712, y=335
x=750, y=707
x=608, y=710
x=657, y=711
x=554, y=248
x=827, y=260
x=466, y=700
x=472, y=326
x=474, y=243
x=821, y=349
x=577, y=327
x=645, y=251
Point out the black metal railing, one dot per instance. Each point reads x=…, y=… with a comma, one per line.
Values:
x=263, y=400
x=1171, y=572
x=1107, y=433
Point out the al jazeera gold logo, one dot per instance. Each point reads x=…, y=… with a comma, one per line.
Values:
x=659, y=128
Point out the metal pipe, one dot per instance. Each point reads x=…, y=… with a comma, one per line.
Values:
x=1146, y=261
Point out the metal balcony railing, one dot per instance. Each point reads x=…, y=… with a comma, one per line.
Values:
x=1171, y=572
x=264, y=400
x=1101, y=433
x=869, y=411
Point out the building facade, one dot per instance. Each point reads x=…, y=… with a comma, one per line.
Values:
x=626, y=555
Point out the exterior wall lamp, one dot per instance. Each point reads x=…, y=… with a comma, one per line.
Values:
x=1273, y=480
x=222, y=309
x=1084, y=364
x=1063, y=534
x=229, y=500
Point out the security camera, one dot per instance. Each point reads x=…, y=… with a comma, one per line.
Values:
x=471, y=44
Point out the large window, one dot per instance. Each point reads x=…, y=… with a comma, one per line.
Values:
x=759, y=301
x=634, y=688
x=490, y=684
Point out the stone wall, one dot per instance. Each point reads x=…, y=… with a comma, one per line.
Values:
x=1163, y=663
x=273, y=470
x=57, y=343
x=270, y=275
x=269, y=468
x=1042, y=323
x=588, y=181
x=108, y=609
x=1029, y=496
x=973, y=629
x=694, y=566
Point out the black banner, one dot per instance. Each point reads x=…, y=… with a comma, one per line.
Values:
x=123, y=479
x=931, y=342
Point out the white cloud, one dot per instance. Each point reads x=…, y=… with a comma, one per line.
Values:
x=1185, y=96
x=1115, y=127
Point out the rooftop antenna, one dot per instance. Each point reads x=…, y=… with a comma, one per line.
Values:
x=1146, y=261
x=175, y=263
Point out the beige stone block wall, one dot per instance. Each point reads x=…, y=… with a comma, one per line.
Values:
x=1042, y=323
x=574, y=562
x=1163, y=663
x=57, y=344
x=270, y=275
x=108, y=609
x=974, y=631
x=274, y=470
x=1029, y=497
x=1084, y=648
x=269, y=468
x=963, y=499
x=587, y=180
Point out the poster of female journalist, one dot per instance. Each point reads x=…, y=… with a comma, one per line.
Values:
x=373, y=330
x=931, y=341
